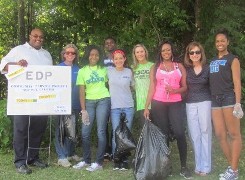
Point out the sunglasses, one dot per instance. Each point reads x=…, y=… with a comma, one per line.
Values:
x=194, y=52
x=68, y=53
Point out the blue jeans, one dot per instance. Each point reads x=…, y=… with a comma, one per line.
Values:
x=68, y=149
x=200, y=131
x=97, y=109
x=115, y=120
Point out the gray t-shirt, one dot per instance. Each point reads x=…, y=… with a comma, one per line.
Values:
x=119, y=86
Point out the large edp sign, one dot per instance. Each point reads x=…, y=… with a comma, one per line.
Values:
x=39, y=90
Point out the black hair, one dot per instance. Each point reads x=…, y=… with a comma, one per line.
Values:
x=159, y=59
x=109, y=37
x=224, y=32
x=88, y=49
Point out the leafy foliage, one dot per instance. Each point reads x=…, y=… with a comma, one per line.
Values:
x=84, y=22
x=5, y=128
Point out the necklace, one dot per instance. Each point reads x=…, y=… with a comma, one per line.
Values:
x=165, y=67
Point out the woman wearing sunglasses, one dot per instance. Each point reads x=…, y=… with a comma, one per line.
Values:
x=198, y=107
x=65, y=147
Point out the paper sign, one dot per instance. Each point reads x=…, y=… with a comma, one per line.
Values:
x=39, y=90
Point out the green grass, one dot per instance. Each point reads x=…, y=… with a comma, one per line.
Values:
x=54, y=172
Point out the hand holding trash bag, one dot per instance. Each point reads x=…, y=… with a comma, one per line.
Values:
x=67, y=128
x=124, y=139
x=152, y=154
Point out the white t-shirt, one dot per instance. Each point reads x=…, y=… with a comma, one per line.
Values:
x=30, y=54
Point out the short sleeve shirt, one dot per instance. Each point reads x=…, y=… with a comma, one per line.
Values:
x=119, y=85
x=94, y=79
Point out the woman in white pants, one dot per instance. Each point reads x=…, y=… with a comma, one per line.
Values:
x=198, y=107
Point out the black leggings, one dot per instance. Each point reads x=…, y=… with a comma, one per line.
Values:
x=165, y=114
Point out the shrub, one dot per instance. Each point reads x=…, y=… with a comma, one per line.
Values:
x=6, y=128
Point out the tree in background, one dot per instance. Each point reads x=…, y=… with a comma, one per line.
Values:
x=85, y=22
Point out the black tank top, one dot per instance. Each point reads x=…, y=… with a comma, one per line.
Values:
x=221, y=81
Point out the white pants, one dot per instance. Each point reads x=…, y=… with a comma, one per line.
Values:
x=200, y=131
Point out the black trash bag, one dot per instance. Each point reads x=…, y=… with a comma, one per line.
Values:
x=152, y=154
x=124, y=139
x=67, y=127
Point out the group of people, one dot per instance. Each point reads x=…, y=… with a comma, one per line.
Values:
x=102, y=91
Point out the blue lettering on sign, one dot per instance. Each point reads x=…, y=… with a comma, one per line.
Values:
x=94, y=78
x=214, y=65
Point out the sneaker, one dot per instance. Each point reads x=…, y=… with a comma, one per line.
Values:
x=116, y=166
x=94, y=167
x=75, y=158
x=80, y=165
x=185, y=172
x=124, y=166
x=64, y=163
x=230, y=174
x=222, y=174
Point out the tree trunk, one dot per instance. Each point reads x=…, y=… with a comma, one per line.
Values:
x=197, y=9
x=21, y=14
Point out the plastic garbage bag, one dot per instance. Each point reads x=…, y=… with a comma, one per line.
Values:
x=67, y=127
x=124, y=139
x=152, y=154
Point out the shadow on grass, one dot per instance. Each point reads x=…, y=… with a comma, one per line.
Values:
x=54, y=172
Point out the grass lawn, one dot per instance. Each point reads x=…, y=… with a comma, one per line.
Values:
x=7, y=170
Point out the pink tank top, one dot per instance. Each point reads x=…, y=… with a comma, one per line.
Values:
x=164, y=78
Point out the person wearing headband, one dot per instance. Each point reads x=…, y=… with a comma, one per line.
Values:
x=120, y=84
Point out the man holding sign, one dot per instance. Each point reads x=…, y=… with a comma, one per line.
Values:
x=30, y=53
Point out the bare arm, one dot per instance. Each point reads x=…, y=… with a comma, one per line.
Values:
x=82, y=97
x=236, y=76
x=151, y=92
x=21, y=62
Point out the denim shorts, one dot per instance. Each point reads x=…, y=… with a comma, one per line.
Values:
x=223, y=100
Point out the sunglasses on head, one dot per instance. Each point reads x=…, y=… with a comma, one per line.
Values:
x=194, y=52
x=68, y=53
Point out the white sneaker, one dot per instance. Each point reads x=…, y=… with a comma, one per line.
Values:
x=227, y=169
x=75, y=158
x=64, y=163
x=80, y=165
x=94, y=167
x=229, y=175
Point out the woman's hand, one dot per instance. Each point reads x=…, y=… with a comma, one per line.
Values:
x=237, y=111
x=147, y=114
x=169, y=89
